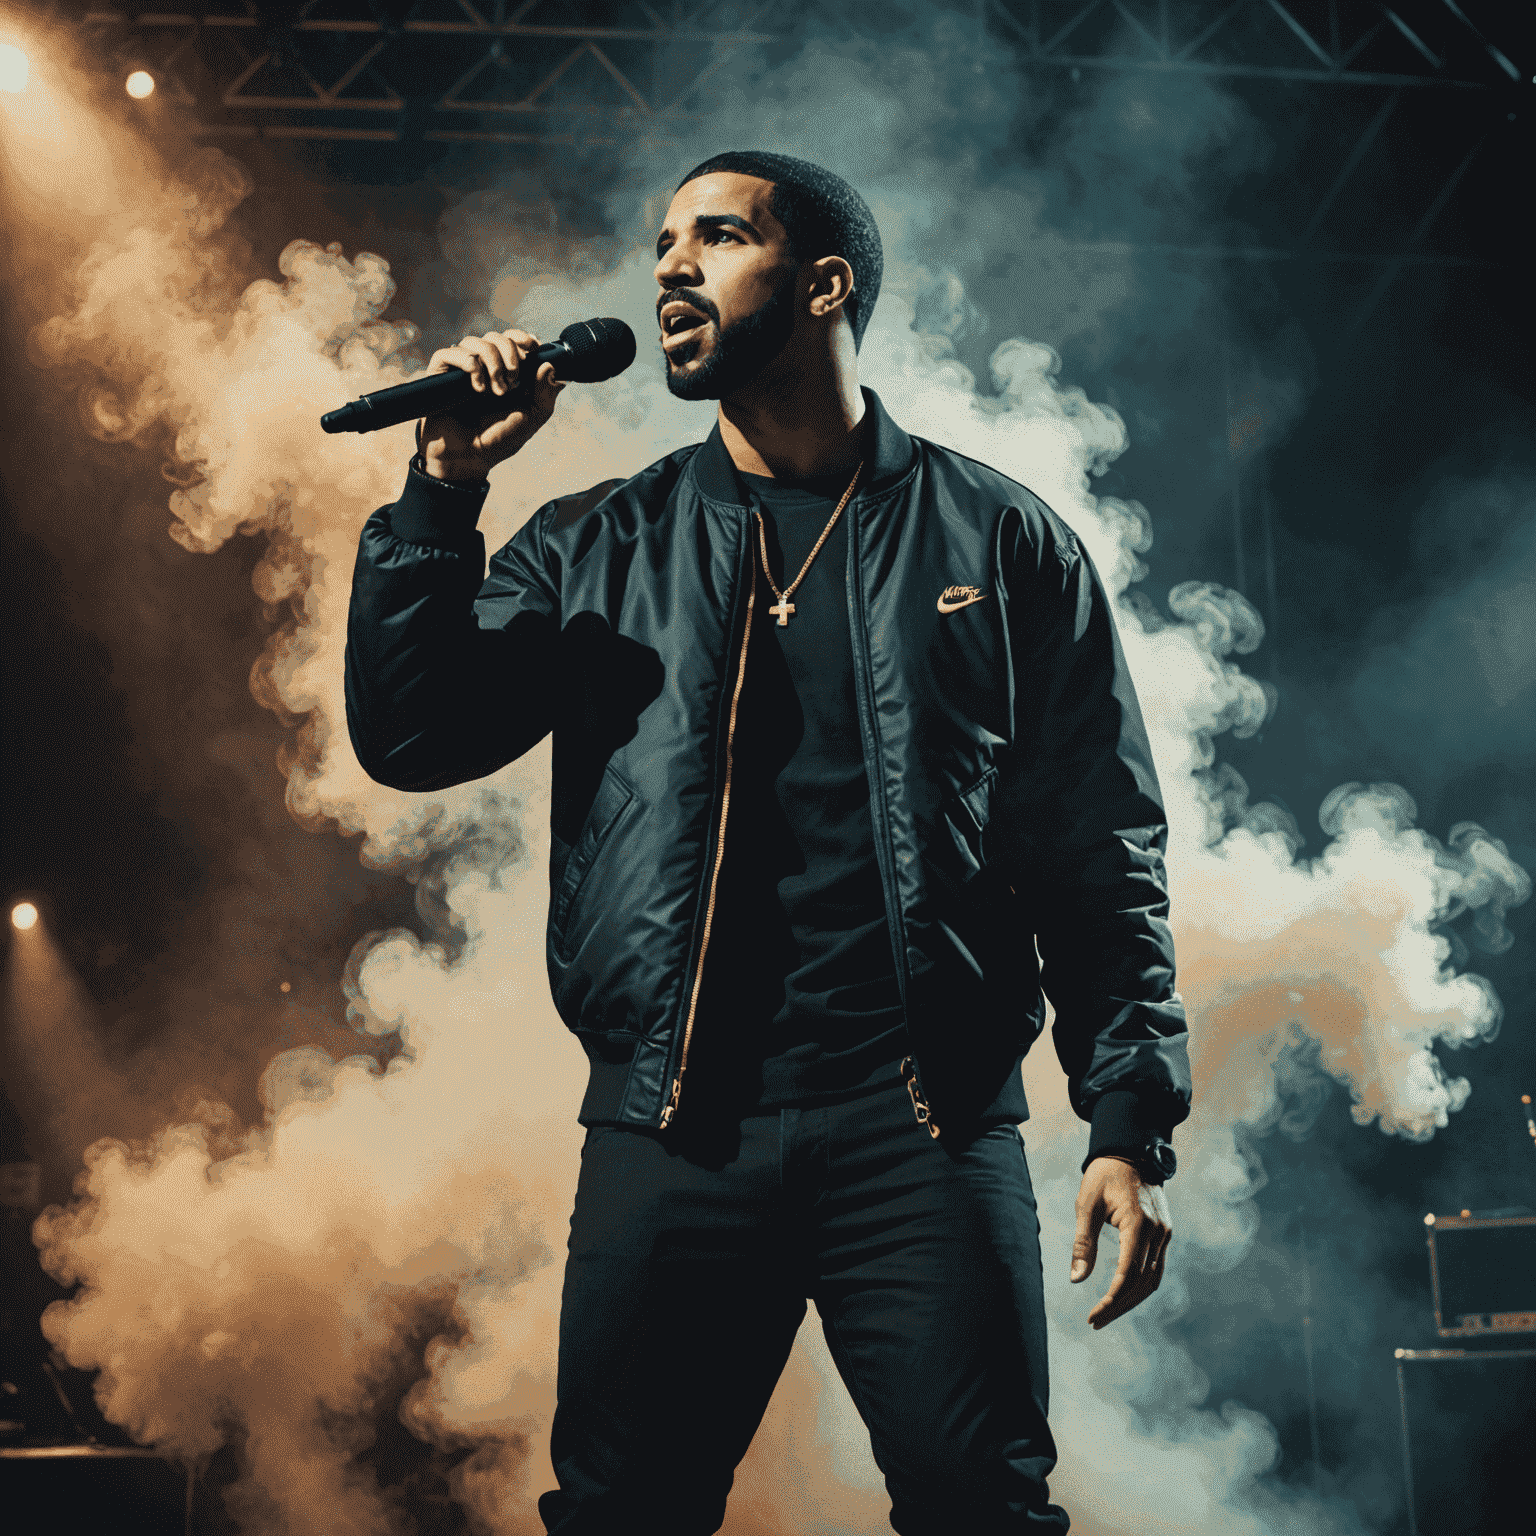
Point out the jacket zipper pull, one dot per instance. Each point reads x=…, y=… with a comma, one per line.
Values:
x=714, y=879
x=671, y=1109
x=919, y=1103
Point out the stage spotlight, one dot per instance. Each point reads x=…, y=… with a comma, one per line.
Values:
x=13, y=68
x=24, y=915
x=140, y=84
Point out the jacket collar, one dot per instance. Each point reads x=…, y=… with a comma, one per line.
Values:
x=715, y=474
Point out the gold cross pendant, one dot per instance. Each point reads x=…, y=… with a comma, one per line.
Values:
x=783, y=608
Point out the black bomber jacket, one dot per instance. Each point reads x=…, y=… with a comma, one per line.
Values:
x=1019, y=827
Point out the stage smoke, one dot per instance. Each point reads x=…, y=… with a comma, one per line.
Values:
x=268, y=1282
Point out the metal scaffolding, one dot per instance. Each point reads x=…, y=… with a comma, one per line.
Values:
x=544, y=72
x=586, y=73
x=1356, y=44
x=1349, y=77
x=631, y=64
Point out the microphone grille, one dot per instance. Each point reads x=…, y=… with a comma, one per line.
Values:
x=599, y=349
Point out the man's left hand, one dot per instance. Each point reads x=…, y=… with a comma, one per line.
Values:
x=1112, y=1191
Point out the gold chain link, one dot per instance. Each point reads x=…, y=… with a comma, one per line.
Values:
x=762, y=539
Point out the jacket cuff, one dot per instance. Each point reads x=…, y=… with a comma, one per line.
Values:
x=1125, y=1122
x=437, y=512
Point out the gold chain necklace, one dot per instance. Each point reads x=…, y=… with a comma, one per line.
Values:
x=783, y=608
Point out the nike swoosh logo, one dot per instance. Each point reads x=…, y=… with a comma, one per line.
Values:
x=950, y=605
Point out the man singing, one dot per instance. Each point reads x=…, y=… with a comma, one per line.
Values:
x=842, y=732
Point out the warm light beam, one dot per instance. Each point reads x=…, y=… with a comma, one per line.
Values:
x=23, y=915
x=139, y=84
x=13, y=68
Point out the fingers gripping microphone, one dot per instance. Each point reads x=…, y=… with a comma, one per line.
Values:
x=587, y=352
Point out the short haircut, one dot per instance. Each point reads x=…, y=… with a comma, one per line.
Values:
x=821, y=214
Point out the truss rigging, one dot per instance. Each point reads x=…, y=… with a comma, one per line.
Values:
x=583, y=73
x=564, y=73
x=1356, y=44
x=1359, y=78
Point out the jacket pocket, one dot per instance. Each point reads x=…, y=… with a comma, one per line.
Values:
x=978, y=799
x=967, y=813
x=611, y=801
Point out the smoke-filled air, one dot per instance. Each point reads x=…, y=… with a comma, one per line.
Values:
x=395, y=1233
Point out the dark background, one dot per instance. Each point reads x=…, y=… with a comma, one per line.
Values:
x=1330, y=410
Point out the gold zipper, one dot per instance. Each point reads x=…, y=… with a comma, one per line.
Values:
x=714, y=879
x=919, y=1103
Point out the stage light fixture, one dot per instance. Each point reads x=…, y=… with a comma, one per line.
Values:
x=24, y=915
x=13, y=68
x=140, y=84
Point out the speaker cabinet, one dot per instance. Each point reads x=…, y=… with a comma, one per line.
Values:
x=54, y=1489
x=1466, y=1429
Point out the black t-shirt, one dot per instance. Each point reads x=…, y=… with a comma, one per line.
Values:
x=800, y=1001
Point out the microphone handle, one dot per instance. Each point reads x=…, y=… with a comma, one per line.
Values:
x=451, y=392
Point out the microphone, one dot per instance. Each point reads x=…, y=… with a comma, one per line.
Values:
x=587, y=352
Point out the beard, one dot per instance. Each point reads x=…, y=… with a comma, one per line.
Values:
x=741, y=352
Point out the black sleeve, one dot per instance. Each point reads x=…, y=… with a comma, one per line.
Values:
x=1085, y=834
x=433, y=698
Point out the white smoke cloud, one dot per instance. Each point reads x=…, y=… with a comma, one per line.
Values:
x=278, y=1288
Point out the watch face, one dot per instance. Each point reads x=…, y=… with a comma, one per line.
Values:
x=1157, y=1163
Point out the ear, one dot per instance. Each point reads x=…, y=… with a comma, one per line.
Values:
x=831, y=284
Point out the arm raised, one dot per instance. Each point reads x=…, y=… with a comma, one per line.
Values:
x=434, y=699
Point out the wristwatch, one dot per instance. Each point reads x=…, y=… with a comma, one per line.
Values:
x=1153, y=1161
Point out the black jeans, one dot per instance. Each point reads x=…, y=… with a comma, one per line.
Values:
x=692, y=1253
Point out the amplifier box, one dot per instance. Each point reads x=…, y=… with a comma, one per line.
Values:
x=127, y=1490
x=1466, y=1430
x=1482, y=1271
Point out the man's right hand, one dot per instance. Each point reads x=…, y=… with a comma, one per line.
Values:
x=453, y=450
